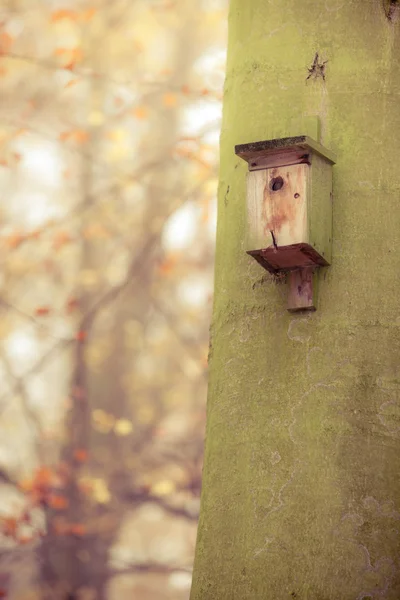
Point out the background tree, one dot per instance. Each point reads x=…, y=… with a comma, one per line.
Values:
x=109, y=119
x=301, y=497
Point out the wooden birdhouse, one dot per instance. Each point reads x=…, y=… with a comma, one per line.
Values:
x=289, y=210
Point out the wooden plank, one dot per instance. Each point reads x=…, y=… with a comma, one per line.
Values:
x=303, y=143
x=285, y=207
x=302, y=290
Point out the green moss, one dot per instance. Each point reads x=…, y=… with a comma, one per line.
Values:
x=301, y=493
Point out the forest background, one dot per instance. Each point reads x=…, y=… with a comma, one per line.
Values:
x=109, y=126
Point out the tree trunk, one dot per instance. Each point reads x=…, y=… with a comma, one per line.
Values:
x=301, y=494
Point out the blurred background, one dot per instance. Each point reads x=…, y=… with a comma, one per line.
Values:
x=109, y=125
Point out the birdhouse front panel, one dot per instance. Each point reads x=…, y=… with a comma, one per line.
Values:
x=277, y=207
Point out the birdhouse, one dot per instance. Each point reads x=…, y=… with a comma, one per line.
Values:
x=289, y=209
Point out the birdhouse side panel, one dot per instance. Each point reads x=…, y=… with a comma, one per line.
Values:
x=255, y=234
x=321, y=207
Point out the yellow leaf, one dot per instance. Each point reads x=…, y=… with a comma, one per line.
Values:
x=88, y=277
x=96, y=117
x=116, y=135
x=123, y=427
x=100, y=492
x=103, y=422
x=163, y=488
x=145, y=414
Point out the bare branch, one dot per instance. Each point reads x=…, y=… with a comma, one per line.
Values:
x=149, y=568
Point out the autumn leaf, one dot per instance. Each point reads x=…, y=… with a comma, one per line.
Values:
x=71, y=82
x=123, y=427
x=6, y=41
x=118, y=101
x=60, y=239
x=57, y=502
x=168, y=265
x=140, y=112
x=43, y=477
x=59, y=526
x=26, y=485
x=72, y=305
x=88, y=14
x=96, y=230
x=63, y=13
x=14, y=240
x=81, y=455
x=170, y=100
x=25, y=539
x=9, y=526
x=3, y=593
x=185, y=90
x=78, y=529
x=72, y=56
x=81, y=336
x=42, y=311
x=79, y=136
x=163, y=488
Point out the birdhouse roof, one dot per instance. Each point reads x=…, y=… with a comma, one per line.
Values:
x=278, y=151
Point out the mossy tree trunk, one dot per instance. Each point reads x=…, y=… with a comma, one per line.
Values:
x=301, y=491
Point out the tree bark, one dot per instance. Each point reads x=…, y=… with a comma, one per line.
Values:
x=301, y=494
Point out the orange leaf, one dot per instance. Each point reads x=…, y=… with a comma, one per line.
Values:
x=26, y=485
x=205, y=92
x=57, y=502
x=6, y=41
x=170, y=100
x=25, y=539
x=72, y=304
x=88, y=14
x=42, y=311
x=60, y=527
x=71, y=83
x=168, y=265
x=140, y=112
x=9, y=526
x=63, y=13
x=34, y=234
x=185, y=90
x=43, y=477
x=78, y=529
x=79, y=136
x=60, y=239
x=14, y=240
x=81, y=336
x=72, y=56
x=81, y=455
